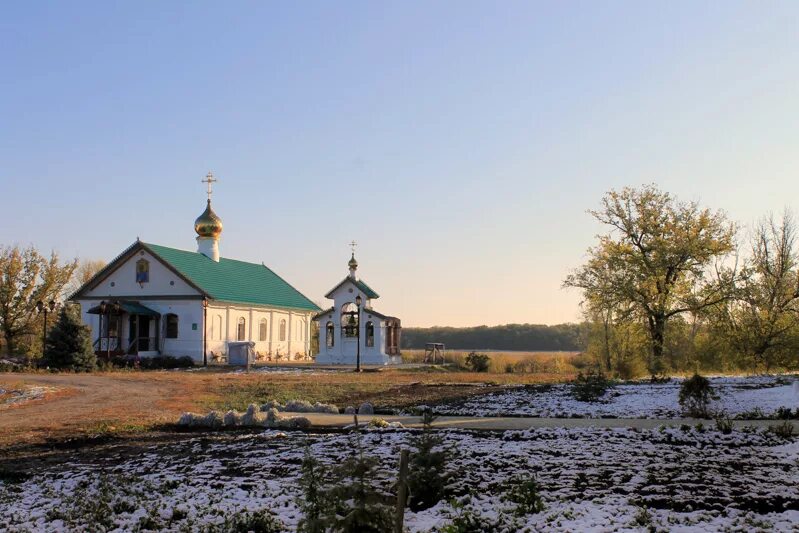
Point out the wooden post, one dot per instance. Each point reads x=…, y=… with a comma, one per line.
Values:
x=402, y=492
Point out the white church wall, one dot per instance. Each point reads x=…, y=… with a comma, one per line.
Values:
x=190, y=328
x=295, y=340
x=122, y=281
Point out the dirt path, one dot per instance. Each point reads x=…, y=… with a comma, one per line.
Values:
x=87, y=402
x=521, y=423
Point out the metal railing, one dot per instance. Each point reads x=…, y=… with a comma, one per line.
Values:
x=143, y=344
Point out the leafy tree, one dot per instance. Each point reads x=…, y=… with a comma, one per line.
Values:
x=69, y=343
x=27, y=277
x=762, y=322
x=655, y=259
x=428, y=477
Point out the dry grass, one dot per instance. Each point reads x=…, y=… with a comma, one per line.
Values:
x=105, y=403
x=509, y=362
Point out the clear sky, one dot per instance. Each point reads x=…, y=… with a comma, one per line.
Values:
x=460, y=143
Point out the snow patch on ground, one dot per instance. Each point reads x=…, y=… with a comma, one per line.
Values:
x=737, y=396
x=17, y=397
x=591, y=479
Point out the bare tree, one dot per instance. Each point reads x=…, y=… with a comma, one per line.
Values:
x=763, y=320
x=86, y=270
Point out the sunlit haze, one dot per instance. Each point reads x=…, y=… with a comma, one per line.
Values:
x=459, y=143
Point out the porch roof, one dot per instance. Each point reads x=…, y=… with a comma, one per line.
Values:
x=130, y=308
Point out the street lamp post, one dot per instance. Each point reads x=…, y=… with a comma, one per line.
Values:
x=103, y=311
x=44, y=309
x=205, y=332
x=112, y=309
x=358, y=301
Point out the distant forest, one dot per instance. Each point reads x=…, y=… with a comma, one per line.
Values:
x=521, y=337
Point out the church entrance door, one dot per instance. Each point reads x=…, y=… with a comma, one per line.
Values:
x=139, y=338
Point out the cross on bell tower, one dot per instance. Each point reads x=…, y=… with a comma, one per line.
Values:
x=209, y=179
x=353, y=264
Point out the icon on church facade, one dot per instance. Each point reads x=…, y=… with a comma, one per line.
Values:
x=142, y=271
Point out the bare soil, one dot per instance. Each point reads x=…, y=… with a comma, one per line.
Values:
x=115, y=403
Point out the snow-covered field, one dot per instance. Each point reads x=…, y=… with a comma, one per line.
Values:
x=590, y=479
x=738, y=397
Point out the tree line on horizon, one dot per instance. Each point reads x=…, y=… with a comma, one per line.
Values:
x=511, y=337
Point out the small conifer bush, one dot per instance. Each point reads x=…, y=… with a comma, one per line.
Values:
x=696, y=394
x=428, y=477
x=590, y=387
x=69, y=344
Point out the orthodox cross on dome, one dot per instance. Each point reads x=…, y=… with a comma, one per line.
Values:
x=353, y=264
x=209, y=179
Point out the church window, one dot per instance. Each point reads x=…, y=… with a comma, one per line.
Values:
x=330, y=335
x=241, y=330
x=216, y=328
x=142, y=271
x=370, y=334
x=171, y=326
x=283, y=330
x=262, y=330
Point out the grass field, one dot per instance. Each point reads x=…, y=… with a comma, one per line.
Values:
x=510, y=362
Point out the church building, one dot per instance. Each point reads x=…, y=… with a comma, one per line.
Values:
x=352, y=331
x=153, y=299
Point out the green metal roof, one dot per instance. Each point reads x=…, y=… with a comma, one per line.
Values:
x=363, y=287
x=366, y=289
x=233, y=281
x=131, y=308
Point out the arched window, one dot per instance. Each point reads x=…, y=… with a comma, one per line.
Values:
x=262, y=330
x=370, y=334
x=171, y=326
x=283, y=329
x=241, y=330
x=216, y=328
x=330, y=335
x=349, y=320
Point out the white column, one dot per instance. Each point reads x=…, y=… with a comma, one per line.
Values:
x=290, y=333
x=227, y=325
x=271, y=329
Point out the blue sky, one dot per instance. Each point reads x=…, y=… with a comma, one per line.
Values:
x=460, y=143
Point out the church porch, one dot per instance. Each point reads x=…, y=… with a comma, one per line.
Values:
x=126, y=328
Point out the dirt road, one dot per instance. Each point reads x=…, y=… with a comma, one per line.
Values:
x=117, y=402
x=82, y=403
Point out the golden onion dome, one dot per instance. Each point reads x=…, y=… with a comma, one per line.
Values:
x=208, y=224
x=353, y=263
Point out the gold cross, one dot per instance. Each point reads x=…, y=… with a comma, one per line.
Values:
x=209, y=179
x=353, y=244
